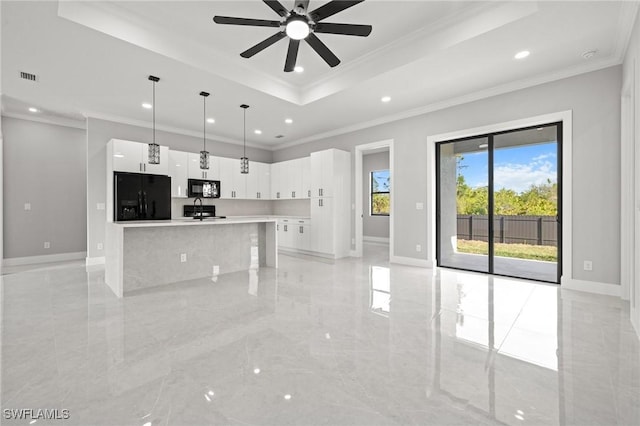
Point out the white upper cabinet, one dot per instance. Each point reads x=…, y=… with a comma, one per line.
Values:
x=233, y=184
x=275, y=181
x=178, y=170
x=259, y=181
x=289, y=179
x=305, y=167
x=129, y=156
x=195, y=172
x=323, y=173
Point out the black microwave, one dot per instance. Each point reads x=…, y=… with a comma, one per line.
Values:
x=203, y=188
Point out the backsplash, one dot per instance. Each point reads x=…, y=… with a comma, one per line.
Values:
x=247, y=207
x=226, y=207
x=292, y=208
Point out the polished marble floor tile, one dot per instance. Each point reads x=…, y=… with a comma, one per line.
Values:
x=346, y=342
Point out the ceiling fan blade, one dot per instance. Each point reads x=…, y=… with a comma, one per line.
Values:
x=263, y=45
x=331, y=8
x=303, y=4
x=228, y=20
x=277, y=7
x=322, y=50
x=344, y=29
x=292, y=55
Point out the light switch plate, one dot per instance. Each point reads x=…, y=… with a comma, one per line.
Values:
x=27, y=206
x=47, y=244
x=183, y=257
x=419, y=206
x=588, y=265
x=99, y=246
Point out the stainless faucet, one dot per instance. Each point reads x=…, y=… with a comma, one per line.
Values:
x=201, y=208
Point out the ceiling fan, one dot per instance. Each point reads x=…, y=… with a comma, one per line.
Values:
x=301, y=25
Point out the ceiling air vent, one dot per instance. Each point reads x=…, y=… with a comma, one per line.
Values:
x=279, y=136
x=28, y=76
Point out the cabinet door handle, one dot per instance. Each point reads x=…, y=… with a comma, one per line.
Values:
x=145, y=166
x=302, y=229
x=309, y=193
x=285, y=228
x=257, y=195
x=293, y=194
x=278, y=227
x=319, y=191
x=278, y=195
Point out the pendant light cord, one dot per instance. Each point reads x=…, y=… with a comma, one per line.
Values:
x=244, y=137
x=204, y=123
x=154, y=112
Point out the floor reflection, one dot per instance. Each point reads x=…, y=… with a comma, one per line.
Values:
x=455, y=348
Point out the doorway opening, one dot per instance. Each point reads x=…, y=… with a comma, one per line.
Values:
x=374, y=195
x=499, y=203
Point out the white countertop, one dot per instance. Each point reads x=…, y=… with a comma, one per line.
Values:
x=193, y=222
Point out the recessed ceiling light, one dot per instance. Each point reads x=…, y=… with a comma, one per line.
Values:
x=211, y=120
x=288, y=121
x=32, y=109
x=257, y=131
x=146, y=105
x=386, y=98
x=522, y=55
x=299, y=69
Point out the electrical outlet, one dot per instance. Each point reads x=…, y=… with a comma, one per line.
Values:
x=27, y=206
x=100, y=206
x=588, y=265
x=47, y=244
x=216, y=269
x=419, y=206
x=183, y=257
x=418, y=247
x=99, y=246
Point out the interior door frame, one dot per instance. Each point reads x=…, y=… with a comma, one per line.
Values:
x=564, y=169
x=491, y=198
x=360, y=150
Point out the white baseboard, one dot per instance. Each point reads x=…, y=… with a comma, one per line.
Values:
x=48, y=258
x=90, y=261
x=410, y=261
x=375, y=239
x=592, y=287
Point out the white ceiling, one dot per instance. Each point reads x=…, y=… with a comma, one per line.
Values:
x=93, y=59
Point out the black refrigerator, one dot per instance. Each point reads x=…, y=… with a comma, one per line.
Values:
x=140, y=196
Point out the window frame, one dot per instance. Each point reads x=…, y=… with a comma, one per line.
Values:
x=372, y=193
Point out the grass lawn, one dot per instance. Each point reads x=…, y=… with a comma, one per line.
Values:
x=520, y=251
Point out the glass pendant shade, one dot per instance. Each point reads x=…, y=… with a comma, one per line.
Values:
x=244, y=165
x=154, y=153
x=204, y=160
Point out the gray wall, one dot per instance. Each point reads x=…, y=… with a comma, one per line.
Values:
x=44, y=165
x=595, y=100
x=373, y=226
x=99, y=132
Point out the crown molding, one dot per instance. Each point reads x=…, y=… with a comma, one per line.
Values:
x=57, y=121
x=626, y=22
x=169, y=129
x=475, y=96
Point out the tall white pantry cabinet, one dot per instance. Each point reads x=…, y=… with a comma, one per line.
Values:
x=330, y=202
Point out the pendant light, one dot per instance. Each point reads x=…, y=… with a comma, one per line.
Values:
x=244, y=161
x=204, y=154
x=154, y=148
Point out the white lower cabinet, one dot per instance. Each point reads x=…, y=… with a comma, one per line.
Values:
x=294, y=234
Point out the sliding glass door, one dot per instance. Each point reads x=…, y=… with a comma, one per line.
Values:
x=498, y=203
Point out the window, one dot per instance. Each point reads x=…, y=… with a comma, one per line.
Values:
x=380, y=201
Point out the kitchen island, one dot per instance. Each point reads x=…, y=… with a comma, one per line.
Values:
x=145, y=254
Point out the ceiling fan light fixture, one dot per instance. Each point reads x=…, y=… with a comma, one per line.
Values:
x=297, y=28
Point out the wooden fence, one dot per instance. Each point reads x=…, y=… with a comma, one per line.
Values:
x=536, y=230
